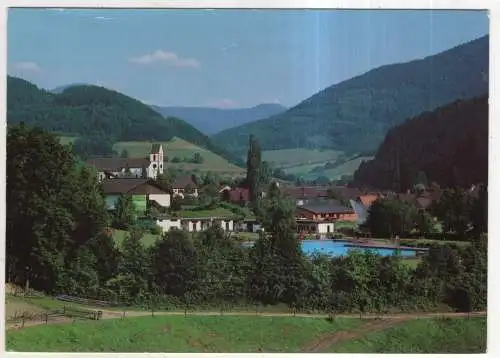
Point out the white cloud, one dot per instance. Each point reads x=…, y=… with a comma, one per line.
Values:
x=26, y=66
x=224, y=103
x=170, y=58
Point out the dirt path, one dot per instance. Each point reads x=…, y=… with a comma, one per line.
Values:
x=108, y=314
x=325, y=341
x=375, y=325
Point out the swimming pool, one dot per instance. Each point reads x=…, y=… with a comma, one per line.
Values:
x=341, y=248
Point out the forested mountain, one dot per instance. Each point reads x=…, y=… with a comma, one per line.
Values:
x=97, y=112
x=354, y=115
x=213, y=120
x=448, y=146
x=60, y=89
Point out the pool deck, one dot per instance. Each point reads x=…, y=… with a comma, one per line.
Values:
x=373, y=244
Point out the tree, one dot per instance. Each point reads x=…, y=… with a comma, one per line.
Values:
x=124, y=153
x=131, y=283
x=197, y=158
x=254, y=164
x=479, y=211
x=124, y=213
x=265, y=173
x=453, y=209
x=389, y=217
x=174, y=263
x=53, y=205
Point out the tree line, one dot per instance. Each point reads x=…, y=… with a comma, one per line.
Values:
x=58, y=242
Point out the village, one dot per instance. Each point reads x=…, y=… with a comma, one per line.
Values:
x=320, y=210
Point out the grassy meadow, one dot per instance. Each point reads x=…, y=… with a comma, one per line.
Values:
x=458, y=335
x=191, y=334
x=183, y=150
x=284, y=158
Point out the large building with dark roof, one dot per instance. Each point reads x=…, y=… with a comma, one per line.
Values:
x=141, y=191
x=147, y=167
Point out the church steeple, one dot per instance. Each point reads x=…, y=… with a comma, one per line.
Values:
x=155, y=161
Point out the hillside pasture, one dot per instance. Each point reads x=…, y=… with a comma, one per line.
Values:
x=183, y=150
x=191, y=334
x=347, y=168
x=285, y=158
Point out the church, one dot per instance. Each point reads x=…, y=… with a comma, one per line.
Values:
x=146, y=168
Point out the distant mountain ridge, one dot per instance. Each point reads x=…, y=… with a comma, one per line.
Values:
x=354, y=115
x=93, y=111
x=213, y=120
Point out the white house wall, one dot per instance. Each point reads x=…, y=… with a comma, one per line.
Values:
x=325, y=228
x=162, y=199
x=168, y=224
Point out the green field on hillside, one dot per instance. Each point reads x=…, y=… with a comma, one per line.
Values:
x=459, y=335
x=183, y=150
x=177, y=334
x=297, y=157
x=305, y=170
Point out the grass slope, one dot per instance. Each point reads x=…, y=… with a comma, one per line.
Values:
x=284, y=158
x=353, y=116
x=182, y=149
x=177, y=334
x=459, y=335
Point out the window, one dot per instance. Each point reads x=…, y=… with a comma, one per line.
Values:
x=154, y=157
x=161, y=166
x=154, y=166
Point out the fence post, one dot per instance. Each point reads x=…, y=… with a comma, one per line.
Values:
x=46, y=317
x=22, y=320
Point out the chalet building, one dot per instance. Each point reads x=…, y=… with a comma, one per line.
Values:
x=195, y=224
x=181, y=184
x=148, y=168
x=141, y=191
x=310, y=194
x=321, y=218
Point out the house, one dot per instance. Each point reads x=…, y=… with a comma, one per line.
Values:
x=180, y=184
x=141, y=191
x=195, y=224
x=320, y=218
x=236, y=195
x=307, y=194
x=248, y=225
x=130, y=167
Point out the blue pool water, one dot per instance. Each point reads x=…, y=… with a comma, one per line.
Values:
x=341, y=248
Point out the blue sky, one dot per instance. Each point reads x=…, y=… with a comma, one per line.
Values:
x=224, y=58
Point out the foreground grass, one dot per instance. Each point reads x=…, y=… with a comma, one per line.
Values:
x=459, y=335
x=177, y=334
